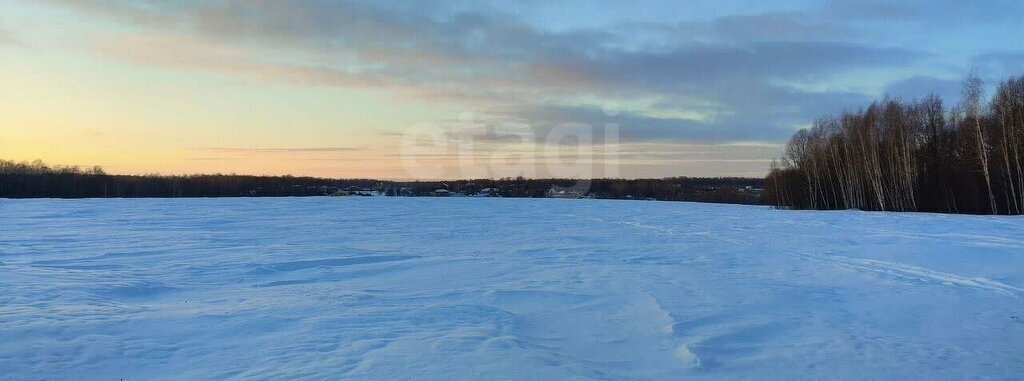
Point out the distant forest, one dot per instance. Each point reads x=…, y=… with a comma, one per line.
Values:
x=38, y=180
x=910, y=156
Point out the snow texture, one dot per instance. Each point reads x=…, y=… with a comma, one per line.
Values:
x=375, y=288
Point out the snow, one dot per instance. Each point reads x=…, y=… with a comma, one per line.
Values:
x=380, y=288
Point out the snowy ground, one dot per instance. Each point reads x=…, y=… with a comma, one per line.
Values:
x=489, y=289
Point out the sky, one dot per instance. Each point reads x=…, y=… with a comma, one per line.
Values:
x=458, y=89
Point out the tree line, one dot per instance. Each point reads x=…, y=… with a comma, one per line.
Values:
x=730, y=190
x=38, y=180
x=898, y=155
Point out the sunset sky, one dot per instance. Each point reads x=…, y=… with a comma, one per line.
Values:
x=336, y=88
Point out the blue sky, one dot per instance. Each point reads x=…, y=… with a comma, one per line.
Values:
x=328, y=87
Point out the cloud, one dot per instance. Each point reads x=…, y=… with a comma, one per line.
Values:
x=195, y=54
x=629, y=127
x=700, y=63
x=741, y=73
x=993, y=68
x=998, y=66
x=778, y=26
x=930, y=12
x=279, y=150
x=917, y=87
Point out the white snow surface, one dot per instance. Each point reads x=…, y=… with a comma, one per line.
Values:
x=374, y=288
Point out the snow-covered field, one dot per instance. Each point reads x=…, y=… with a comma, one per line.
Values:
x=488, y=289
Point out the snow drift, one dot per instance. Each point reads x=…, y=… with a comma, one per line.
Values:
x=413, y=288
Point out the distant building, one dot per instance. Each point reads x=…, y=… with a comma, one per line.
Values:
x=355, y=191
x=564, y=192
x=441, y=193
